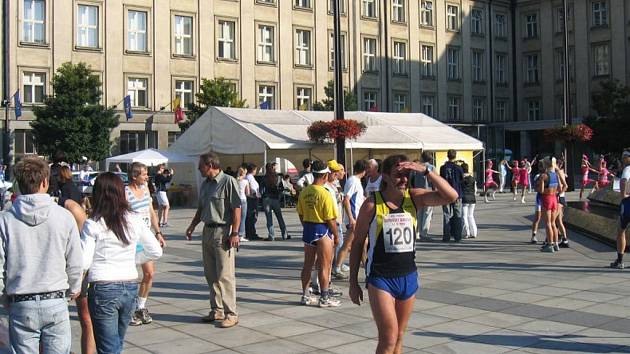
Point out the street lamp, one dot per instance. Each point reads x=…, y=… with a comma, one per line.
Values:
x=566, y=93
x=340, y=143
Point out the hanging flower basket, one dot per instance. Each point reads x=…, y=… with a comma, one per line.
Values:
x=574, y=132
x=327, y=131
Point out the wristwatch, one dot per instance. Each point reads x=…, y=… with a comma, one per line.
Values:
x=233, y=233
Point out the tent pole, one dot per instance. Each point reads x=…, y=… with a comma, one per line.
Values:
x=265, y=159
x=483, y=161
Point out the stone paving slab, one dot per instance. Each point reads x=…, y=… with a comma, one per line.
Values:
x=493, y=294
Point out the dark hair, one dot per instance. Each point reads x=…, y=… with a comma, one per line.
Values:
x=110, y=203
x=427, y=157
x=306, y=163
x=251, y=167
x=286, y=176
x=360, y=166
x=451, y=154
x=318, y=166
x=392, y=161
x=65, y=175
x=465, y=167
x=210, y=159
x=30, y=173
x=59, y=156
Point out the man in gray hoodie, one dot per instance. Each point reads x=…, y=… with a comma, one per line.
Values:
x=41, y=258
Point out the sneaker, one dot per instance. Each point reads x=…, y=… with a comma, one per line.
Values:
x=485, y=199
x=548, y=249
x=522, y=200
x=268, y=239
x=617, y=264
x=165, y=224
x=229, y=321
x=556, y=247
x=308, y=300
x=314, y=290
x=329, y=302
x=243, y=239
x=136, y=318
x=514, y=199
x=564, y=244
x=345, y=268
x=288, y=237
x=335, y=292
x=339, y=275
x=534, y=240
x=493, y=195
x=212, y=317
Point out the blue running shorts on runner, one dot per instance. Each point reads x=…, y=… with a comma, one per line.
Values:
x=624, y=213
x=401, y=288
x=314, y=232
x=538, y=206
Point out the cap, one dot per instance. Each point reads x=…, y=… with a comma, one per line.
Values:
x=626, y=153
x=334, y=166
x=321, y=172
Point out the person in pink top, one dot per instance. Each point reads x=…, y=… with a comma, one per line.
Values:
x=516, y=178
x=586, y=168
x=490, y=183
x=523, y=180
x=603, y=181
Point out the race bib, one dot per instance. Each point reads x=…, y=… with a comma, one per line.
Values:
x=398, y=233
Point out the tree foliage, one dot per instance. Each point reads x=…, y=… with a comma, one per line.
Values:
x=73, y=119
x=610, y=126
x=216, y=92
x=328, y=103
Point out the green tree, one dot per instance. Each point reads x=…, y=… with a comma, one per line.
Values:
x=328, y=103
x=610, y=126
x=217, y=92
x=72, y=118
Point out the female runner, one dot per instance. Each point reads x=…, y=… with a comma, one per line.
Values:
x=490, y=183
x=585, y=169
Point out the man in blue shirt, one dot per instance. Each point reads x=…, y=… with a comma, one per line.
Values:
x=419, y=180
x=454, y=175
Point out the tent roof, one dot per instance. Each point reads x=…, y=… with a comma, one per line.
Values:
x=150, y=157
x=246, y=131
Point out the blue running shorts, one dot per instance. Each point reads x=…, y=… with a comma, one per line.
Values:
x=314, y=232
x=624, y=213
x=401, y=288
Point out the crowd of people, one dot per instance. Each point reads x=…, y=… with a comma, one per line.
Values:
x=374, y=219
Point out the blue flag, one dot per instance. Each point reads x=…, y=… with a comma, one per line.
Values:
x=265, y=105
x=127, y=104
x=18, y=104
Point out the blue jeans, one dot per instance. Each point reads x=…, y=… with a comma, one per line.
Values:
x=111, y=306
x=241, y=228
x=273, y=205
x=449, y=227
x=45, y=322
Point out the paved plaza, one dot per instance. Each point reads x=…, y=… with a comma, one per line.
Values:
x=494, y=294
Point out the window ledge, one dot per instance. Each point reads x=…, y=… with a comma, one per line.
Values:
x=226, y=60
x=264, y=3
x=479, y=82
x=428, y=77
x=304, y=9
x=369, y=18
x=601, y=77
x=400, y=23
x=138, y=52
x=599, y=27
x=344, y=69
x=502, y=84
x=34, y=45
x=428, y=27
x=454, y=31
x=266, y=63
x=303, y=66
x=531, y=84
x=478, y=35
x=371, y=72
x=343, y=13
x=525, y=39
x=404, y=75
x=88, y=49
x=501, y=38
x=454, y=80
x=183, y=56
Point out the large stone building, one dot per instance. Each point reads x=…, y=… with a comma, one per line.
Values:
x=491, y=64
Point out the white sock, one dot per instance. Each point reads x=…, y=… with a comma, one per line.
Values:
x=337, y=269
x=142, y=301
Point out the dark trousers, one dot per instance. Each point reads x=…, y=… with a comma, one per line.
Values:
x=452, y=221
x=251, y=218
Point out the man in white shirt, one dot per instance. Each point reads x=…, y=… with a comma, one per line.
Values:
x=352, y=201
x=252, y=203
x=624, y=212
x=305, y=177
x=373, y=177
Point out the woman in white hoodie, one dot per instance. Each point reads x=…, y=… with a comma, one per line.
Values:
x=109, y=240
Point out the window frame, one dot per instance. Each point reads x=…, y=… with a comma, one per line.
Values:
x=364, y=8
x=536, y=111
x=396, y=107
x=273, y=94
x=23, y=82
x=182, y=93
x=342, y=4
x=501, y=70
x=310, y=98
x=128, y=78
x=450, y=64
x=297, y=49
x=427, y=68
x=594, y=55
x=221, y=41
x=78, y=45
x=399, y=64
x=33, y=24
x=260, y=45
x=365, y=56
x=424, y=11
x=500, y=30
x=498, y=109
x=601, y=18
x=423, y=104
x=183, y=36
x=474, y=31
x=479, y=75
x=529, y=70
x=401, y=6
x=531, y=25
x=147, y=31
x=331, y=51
x=365, y=101
x=454, y=108
x=298, y=6
x=456, y=17
x=478, y=109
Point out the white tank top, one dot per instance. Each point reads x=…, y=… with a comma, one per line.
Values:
x=374, y=186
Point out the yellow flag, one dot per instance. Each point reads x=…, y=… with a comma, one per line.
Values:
x=176, y=103
x=303, y=107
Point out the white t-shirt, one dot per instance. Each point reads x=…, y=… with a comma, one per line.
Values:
x=373, y=186
x=242, y=185
x=626, y=175
x=354, y=191
x=254, y=187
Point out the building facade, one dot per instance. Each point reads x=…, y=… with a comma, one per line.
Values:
x=471, y=63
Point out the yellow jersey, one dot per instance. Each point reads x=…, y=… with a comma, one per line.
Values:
x=316, y=205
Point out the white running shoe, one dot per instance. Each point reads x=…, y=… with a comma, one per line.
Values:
x=329, y=302
x=243, y=239
x=345, y=268
x=308, y=300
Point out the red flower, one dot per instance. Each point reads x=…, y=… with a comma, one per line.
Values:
x=576, y=132
x=321, y=131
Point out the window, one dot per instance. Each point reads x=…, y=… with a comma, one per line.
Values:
x=137, y=31
x=302, y=47
x=369, y=101
x=303, y=98
x=184, y=90
x=533, y=110
x=266, y=97
x=477, y=65
x=87, y=26
x=479, y=108
x=172, y=137
x=454, y=108
x=331, y=51
x=331, y=6
x=560, y=18
x=500, y=25
x=34, y=22
x=601, y=61
x=400, y=58
x=183, y=35
x=426, y=13
x=132, y=141
x=531, y=26
x=227, y=48
x=304, y=4
x=426, y=60
x=476, y=23
x=152, y=139
x=369, y=8
x=452, y=17
x=137, y=90
x=398, y=10
x=531, y=69
x=600, y=13
x=501, y=110
x=369, y=54
x=400, y=102
x=453, y=63
x=33, y=87
x=24, y=142
x=266, y=50
x=428, y=103
x=501, y=66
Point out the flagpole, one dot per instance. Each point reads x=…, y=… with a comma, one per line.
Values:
x=340, y=143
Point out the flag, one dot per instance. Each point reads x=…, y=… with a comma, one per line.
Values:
x=373, y=109
x=127, y=105
x=265, y=105
x=18, y=104
x=179, y=112
x=303, y=107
